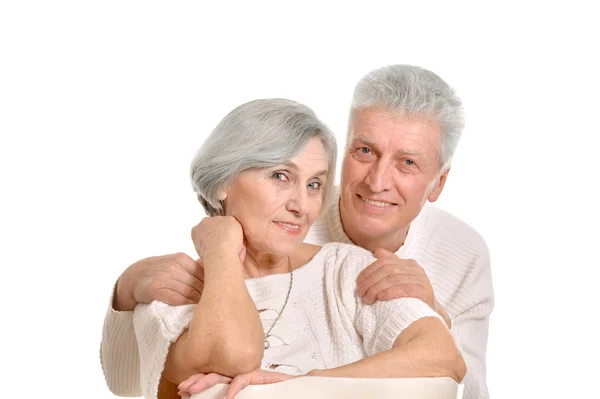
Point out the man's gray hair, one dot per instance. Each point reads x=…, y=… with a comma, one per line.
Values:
x=412, y=91
x=258, y=134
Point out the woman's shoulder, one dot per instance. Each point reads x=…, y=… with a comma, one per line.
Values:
x=350, y=256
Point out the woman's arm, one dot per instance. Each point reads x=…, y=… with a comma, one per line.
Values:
x=402, y=337
x=222, y=334
x=176, y=342
x=424, y=349
x=225, y=335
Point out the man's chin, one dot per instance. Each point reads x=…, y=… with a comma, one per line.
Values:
x=372, y=226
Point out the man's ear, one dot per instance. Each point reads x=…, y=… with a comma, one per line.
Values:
x=439, y=186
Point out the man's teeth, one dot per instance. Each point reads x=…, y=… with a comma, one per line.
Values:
x=376, y=203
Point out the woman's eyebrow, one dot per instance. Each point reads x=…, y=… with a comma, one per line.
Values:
x=293, y=166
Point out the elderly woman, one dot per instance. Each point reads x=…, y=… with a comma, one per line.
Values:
x=274, y=307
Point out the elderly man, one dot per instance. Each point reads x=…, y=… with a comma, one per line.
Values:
x=405, y=123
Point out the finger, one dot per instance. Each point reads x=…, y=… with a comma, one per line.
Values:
x=240, y=382
x=189, y=279
x=405, y=287
x=208, y=381
x=269, y=377
x=383, y=253
x=393, y=261
x=185, y=385
x=173, y=271
x=369, y=270
x=190, y=265
x=406, y=291
x=185, y=289
x=384, y=271
x=174, y=298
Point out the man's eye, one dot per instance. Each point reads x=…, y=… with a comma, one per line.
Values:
x=409, y=162
x=365, y=150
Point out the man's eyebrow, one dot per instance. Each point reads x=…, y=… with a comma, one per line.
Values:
x=366, y=141
x=399, y=152
x=410, y=152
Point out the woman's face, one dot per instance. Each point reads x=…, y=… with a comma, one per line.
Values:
x=277, y=205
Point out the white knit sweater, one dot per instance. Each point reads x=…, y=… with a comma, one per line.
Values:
x=324, y=325
x=454, y=256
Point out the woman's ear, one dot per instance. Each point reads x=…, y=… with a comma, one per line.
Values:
x=222, y=195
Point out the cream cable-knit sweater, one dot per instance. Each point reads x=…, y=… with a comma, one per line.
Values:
x=454, y=256
x=324, y=325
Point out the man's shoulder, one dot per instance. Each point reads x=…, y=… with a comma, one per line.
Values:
x=443, y=227
x=318, y=234
x=438, y=218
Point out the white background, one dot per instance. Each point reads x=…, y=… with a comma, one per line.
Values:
x=102, y=105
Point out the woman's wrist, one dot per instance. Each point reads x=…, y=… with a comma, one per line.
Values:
x=221, y=259
x=315, y=373
x=439, y=309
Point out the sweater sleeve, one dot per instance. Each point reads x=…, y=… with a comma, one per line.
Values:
x=470, y=325
x=119, y=355
x=157, y=325
x=381, y=323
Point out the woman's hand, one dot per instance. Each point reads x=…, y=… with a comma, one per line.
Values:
x=219, y=233
x=200, y=382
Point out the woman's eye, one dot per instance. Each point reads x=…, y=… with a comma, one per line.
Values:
x=315, y=185
x=279, y=176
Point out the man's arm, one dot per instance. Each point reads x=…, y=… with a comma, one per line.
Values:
x=471, y=325
x=173, y=279
x=424, y=349
x=119, y=353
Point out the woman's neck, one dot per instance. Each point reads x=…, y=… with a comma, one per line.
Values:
x=261, y=264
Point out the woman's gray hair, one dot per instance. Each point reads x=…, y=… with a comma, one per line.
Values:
x=258, y=134
x=412, y=91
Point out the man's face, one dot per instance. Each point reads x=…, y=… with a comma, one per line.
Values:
x=391, y=168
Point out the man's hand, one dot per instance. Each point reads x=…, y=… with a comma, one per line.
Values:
x=174, y=279
x=200, y=382
x=390, y=277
